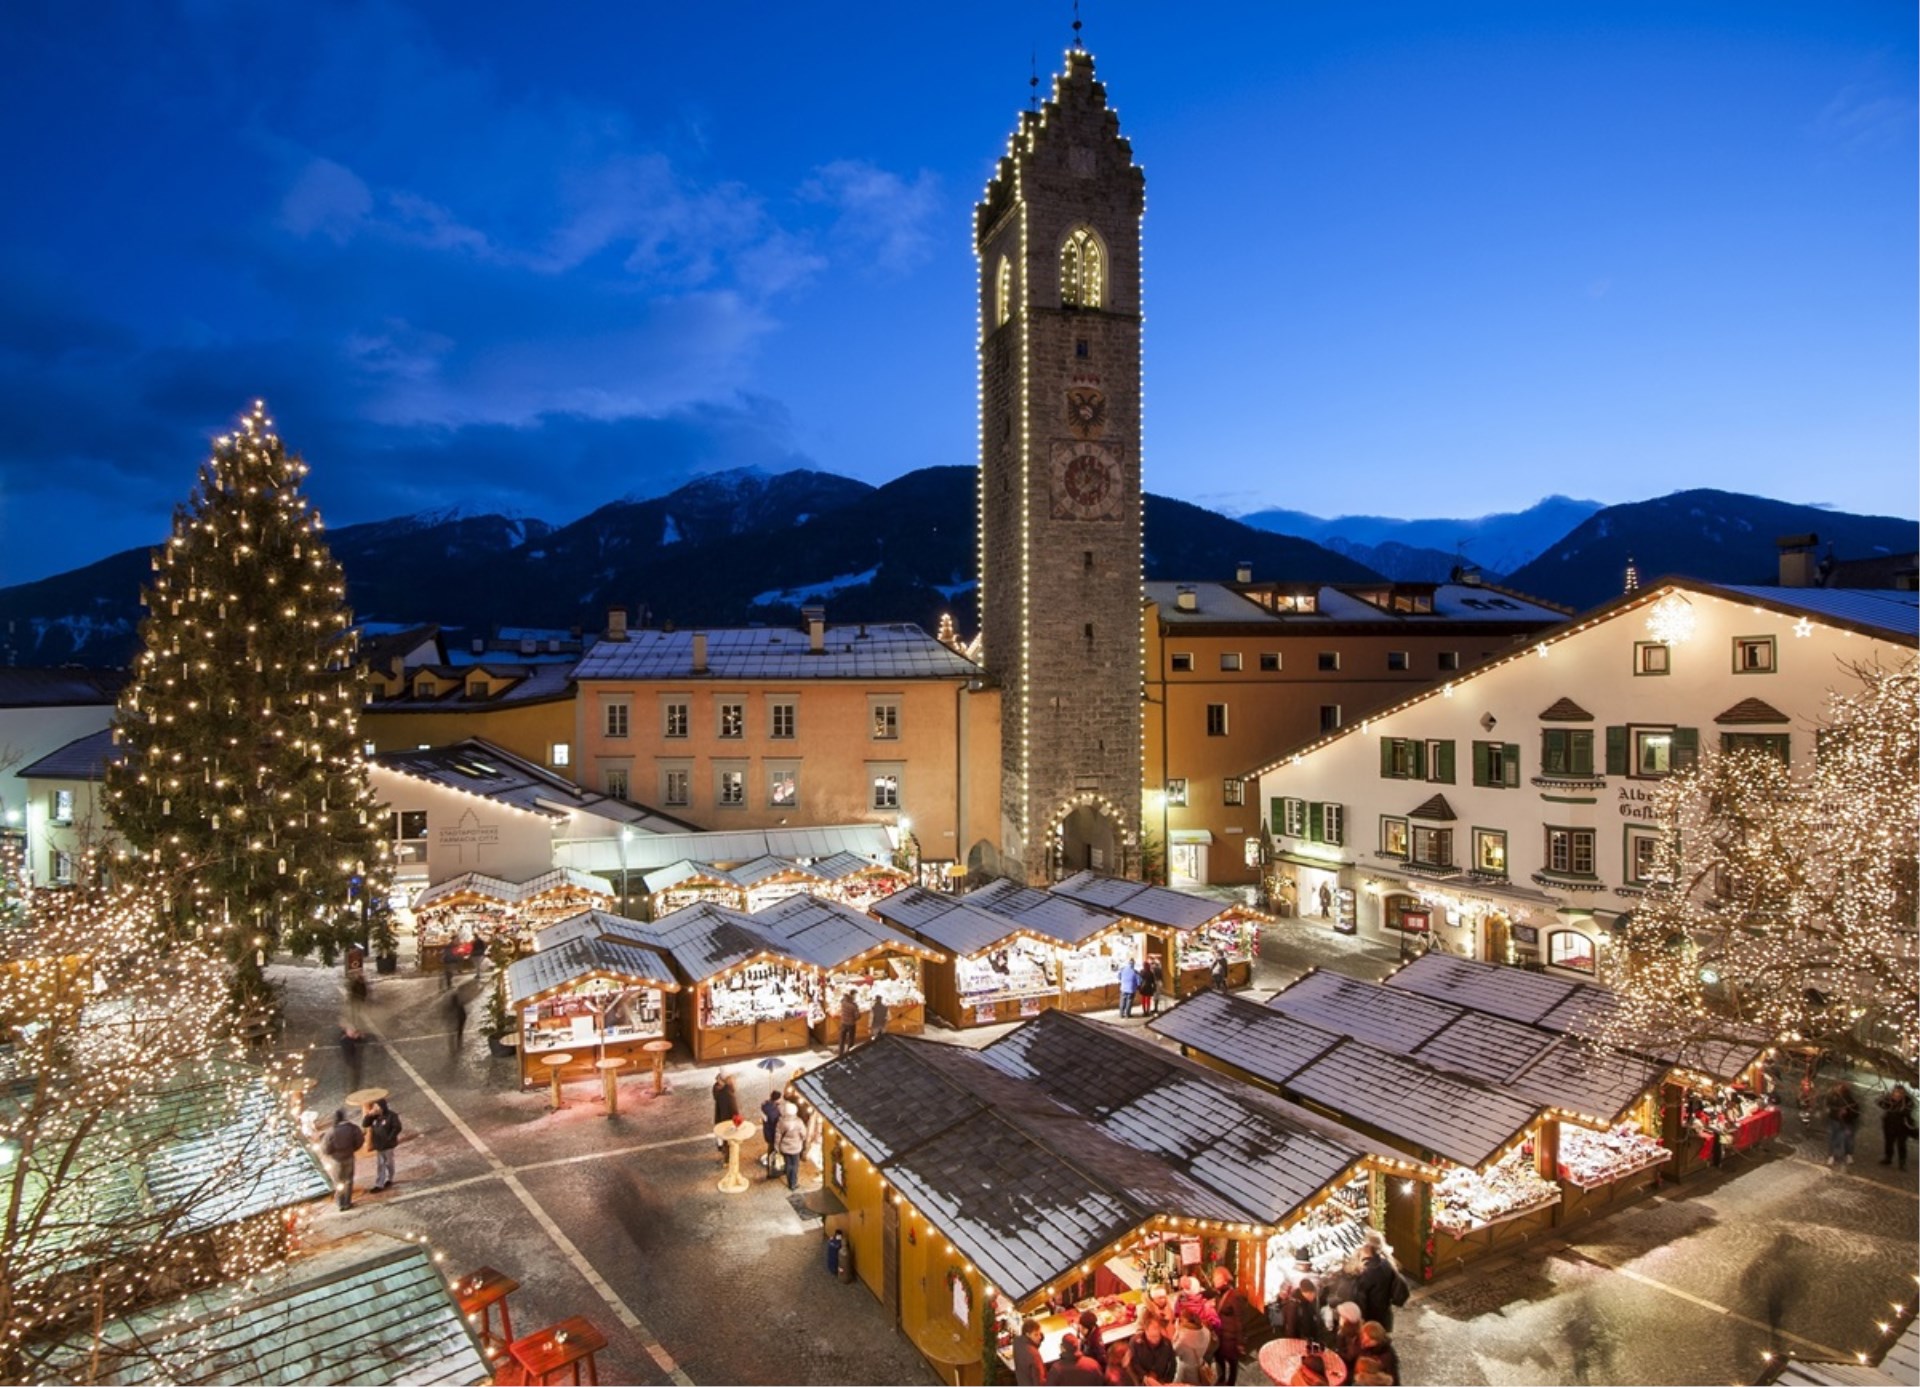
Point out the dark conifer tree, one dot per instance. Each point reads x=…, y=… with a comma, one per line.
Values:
x=239, y=732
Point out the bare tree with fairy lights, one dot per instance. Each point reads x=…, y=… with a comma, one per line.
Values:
x=1783, y=901
x=143, y=1153
x=239, y=732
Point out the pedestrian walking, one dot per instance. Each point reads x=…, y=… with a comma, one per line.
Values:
x=877, y=1023
x=1148, y=985
x=1219, y=971
x=341, y=1146
x=791, y=1137
x=383, y=1134
x=769, y=1123
x=726, y=1107
x=456, y=1009
x=1377, y=1282
x=1896, y=1124
x=1129, y=985
x=1843, y=1116
x=849, y=1021
x=352, y=1045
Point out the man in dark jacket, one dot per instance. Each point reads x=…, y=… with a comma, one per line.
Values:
x=769, y=1123
x=1074, y=1368
x=849, y=1021
x=1152, y=1356
x=341, y=1145
x=1375, y=1291
x=1027, y=1370
x=383, y=1132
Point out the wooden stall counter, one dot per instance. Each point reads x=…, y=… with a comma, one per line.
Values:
x=910, y=1018
x=770, y=1037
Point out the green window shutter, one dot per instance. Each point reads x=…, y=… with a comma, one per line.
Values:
x=1443, y=762
x=1686, y=747
x=1316, y=823
x=1417, y=760
x=1386, y=757
x=1513, y=763
x=1616, y=751
x=1276, y=816
x=1580, y=752
x=1480, y=763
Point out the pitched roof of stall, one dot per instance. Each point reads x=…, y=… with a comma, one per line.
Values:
x=1587, y=1079
x=704, y=940
x=868, y=841
x=591, y=924
x=570, y=960
x=842, y=865
x=1365, y=1011
x=766, y=867
x=1043, y=912
x=1242, y=1031
x=369, y=1308
x=957, y=927
x=829, y=934
x=1151, y=905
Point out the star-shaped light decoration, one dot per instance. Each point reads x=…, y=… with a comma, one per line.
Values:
x=1672, y=620
x=1803, y=628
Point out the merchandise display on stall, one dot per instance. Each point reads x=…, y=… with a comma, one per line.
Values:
x=1096, y=964
x=760, y=992
x=1237, y=938
x=894, y=978
x=1016, y=970
x=1589, y=1159
x=1324, y=1239
x=597, y=1008
x=1465, y=1201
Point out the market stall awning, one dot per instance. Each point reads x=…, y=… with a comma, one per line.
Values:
x=1044, y=912
x=948, y=921
x=1190, y=835
x=367, y=1309
x=536, y=975
x=705, y=940
x=1151, y=905
x=829, y=934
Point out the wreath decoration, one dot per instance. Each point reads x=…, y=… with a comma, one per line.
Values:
x=956, y=1279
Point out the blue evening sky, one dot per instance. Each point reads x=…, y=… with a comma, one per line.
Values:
x=1413, y=259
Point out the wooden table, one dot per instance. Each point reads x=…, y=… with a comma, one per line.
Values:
x=555, y=1063
x=1280, y=1361
x=567, y=1344
x=364, y=1098
x=658, y=1049
x=477, y=1293
x=733, y=1133
x=609, y=1082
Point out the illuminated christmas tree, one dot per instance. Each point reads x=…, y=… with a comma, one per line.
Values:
x=240, y=728
x=142, y=1155
x=1784, y=899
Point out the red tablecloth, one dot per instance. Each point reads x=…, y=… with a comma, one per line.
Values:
x=1762, y=1124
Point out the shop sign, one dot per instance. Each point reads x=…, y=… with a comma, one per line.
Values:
x=1348, y=904
x=1635, y=803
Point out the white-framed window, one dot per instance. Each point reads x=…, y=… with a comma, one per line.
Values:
x=616, y=716
x=1331, y=821
x=883, y=781
x=1753, y=655
x=1570, y=949
x=782, y=719
x=1233, y=791
x=1230, y=661
x=1652, y=657
x=884, y=718
x=560, y=754
x=60, y=807
x=730, y=786
x=616, y=780
x=1292, y=818
x=1216, y=719
x=674, y=719
x=1570, y=851
x=783, y=784
x=1177, y=792
x=60, y=868
x=676, y=785
x=1640, y=867
x=1490, y=851
x=730, y=719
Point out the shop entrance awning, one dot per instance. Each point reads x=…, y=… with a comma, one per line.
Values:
x=1191, y=835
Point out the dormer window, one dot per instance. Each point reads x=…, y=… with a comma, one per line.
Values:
x=1083, y=271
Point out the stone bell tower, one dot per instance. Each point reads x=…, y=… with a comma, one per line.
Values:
x=1058, y=240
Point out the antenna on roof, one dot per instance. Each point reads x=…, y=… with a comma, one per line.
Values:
x=1076, y=25
x=1033, y=80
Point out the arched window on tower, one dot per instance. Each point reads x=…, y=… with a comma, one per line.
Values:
x=1003, y=292
x=1083, y=271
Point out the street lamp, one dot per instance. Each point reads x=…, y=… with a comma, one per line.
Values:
x=626, y=903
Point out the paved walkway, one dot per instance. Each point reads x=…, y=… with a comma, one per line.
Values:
x=619, y=1219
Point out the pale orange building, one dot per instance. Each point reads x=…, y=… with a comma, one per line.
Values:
x=1238, y=672
x=760, y=727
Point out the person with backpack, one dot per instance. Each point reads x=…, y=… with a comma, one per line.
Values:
x=340, y=1147
x=383, y=1134
x=1843, y=1116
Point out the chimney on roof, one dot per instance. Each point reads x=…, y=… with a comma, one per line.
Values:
x=616, y=623
x=479, y=645
x=1243, y=571
x=1796, y=559
x=1186, y=599
x=699, y=652
x=816, y=623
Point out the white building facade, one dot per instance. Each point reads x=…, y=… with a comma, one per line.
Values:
x=1507, y=815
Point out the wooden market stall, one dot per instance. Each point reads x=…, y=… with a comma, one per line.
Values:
x=749, y=993
x=995, y=969
x=684, y=883
x=593, y=990
x=854, y=953
x=855, y=880
x=1188, y=930
x=1093, y=943
x=1066, y=1164
x=769, y=880
x=476, y=907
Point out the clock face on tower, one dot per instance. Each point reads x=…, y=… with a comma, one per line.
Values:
x=1087, y=483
